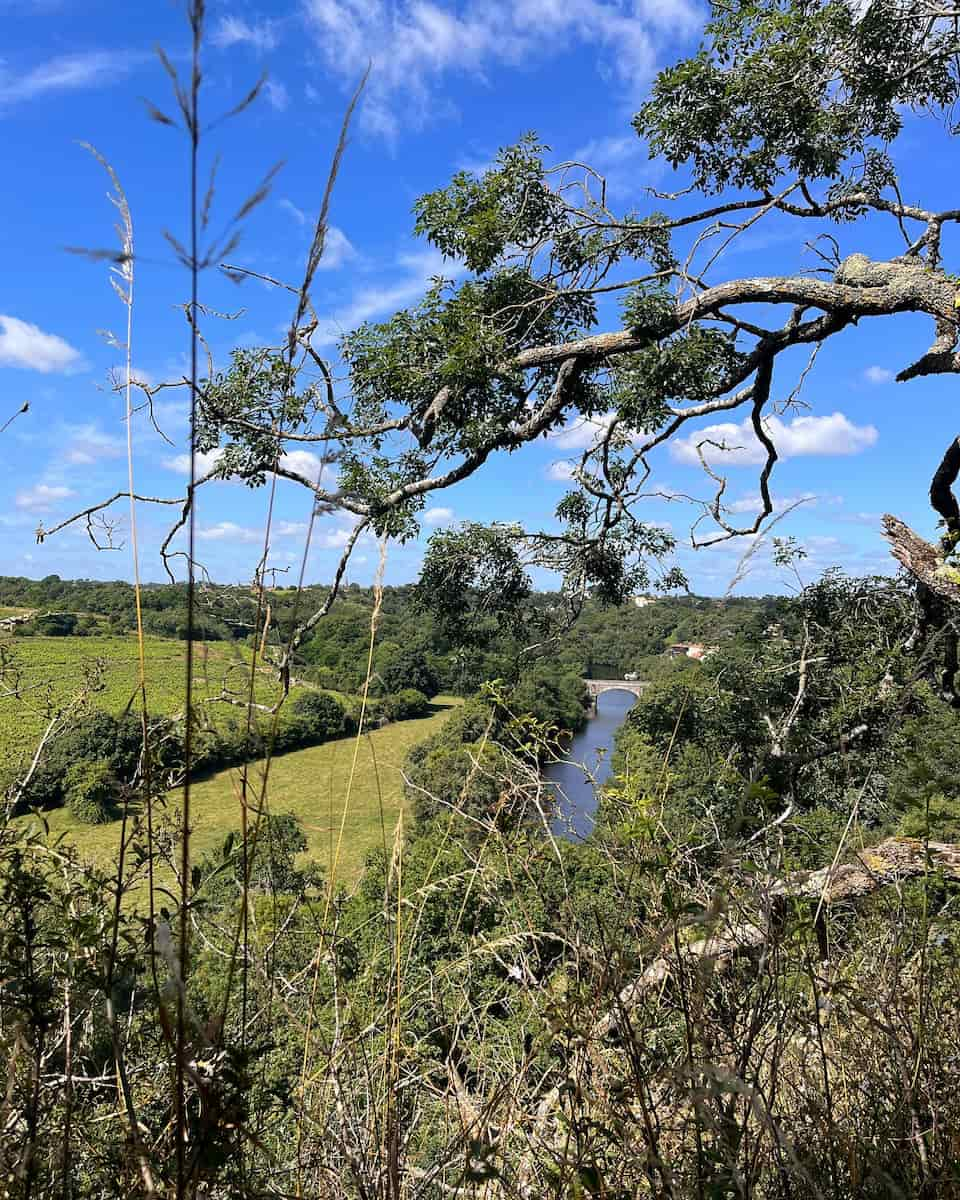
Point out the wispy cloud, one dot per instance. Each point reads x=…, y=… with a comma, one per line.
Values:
x=67, y=73
x=582, y=432
x=878, y=375
x=303, y=462
x=229, y=531
x=560, y=471
x=416, y=271
x=235, y=31
x=415, y=43
x=298, y=214
x=43, y=497
x=623, y=159
x=337, y=247
x=86, y=444
x=277, y=96
x=204, y=462
x=25, y=345
x=754, y=504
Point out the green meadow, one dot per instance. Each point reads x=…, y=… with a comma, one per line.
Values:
x=314, y=784
x=42, y=675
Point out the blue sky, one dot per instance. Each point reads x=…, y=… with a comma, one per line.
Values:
x=450, y=84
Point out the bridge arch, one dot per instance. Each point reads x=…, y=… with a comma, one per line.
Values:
x=596, y=687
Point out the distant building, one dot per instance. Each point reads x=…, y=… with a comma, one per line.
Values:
x=690, y=650
x=643, y=601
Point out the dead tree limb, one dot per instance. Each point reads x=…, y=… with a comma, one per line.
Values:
x=892, y=862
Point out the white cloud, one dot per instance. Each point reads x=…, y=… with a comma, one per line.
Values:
x=560, y=471
x=181, y=462
x=337, y=247
x=43, y=497
x=303, y=462
x=623, y=160
x=67, y=72
x=235, y=31
x=413, y=44
x=26, y=345
x=227, y=531
x=736, y=444
x=438, y=516
x=878, y=375
x=87, y=444
x=311, y=466
x=336, y=539
x=276, y=94
x=582, y=432
x=298, y=214
x=172, y=414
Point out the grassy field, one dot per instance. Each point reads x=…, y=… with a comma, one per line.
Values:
x=311, y=783
x=40, y=675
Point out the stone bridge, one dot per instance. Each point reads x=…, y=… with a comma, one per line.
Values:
x=596, y=686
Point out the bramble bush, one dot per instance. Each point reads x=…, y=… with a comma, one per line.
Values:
x=90, y=791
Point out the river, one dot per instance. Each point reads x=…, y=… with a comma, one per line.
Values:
x=591, y=748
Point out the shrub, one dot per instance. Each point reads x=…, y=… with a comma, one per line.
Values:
x=279, y=841
x=319, y=715
x=55, y=625
x=405, y=705
x=98, y=735
x=90, y=790
x=470, y=777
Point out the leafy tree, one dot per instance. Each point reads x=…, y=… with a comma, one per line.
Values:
x=410, y=670
x=506, y=979
x=798, y=106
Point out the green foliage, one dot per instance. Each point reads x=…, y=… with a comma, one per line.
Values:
x=318, y=715
x=405, y=705
x=96, y=737
x=90, y=791
x=279, y=839
x=410, y=669
x=726, y=746
x=55, y=625
x=784, y=87
x=475, y=218
x=470, y=778
x=473, y=582
x=240, y=406
x=925, y=780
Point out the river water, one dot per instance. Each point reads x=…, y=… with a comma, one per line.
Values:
x=586, y=766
